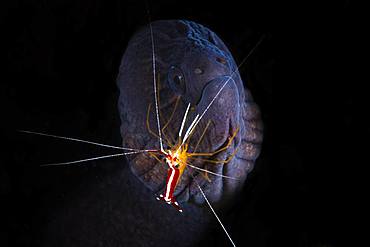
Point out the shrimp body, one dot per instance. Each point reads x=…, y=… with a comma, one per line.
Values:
x=176, y=161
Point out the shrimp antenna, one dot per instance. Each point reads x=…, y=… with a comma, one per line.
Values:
x=183, y=121
x=77, y=140
x=229, y=78
x=213, y=211
x=90, y=159
x=216, y=174
x=155, y=82
x=190, y=129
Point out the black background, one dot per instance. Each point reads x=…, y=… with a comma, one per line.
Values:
x=62, y=59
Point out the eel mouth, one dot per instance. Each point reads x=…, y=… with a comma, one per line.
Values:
x=211, y=134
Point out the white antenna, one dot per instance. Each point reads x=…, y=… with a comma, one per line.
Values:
x=190, y=129
x=155, y=89
x=213, y=211
x=76, y=140
x=90, y=159
x=216, y=174
x=183, y=120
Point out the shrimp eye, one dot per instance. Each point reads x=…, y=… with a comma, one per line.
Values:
x=176, y=80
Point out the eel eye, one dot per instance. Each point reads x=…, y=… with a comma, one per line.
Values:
x=176, y=80
x=198, y=71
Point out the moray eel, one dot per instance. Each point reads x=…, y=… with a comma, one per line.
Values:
x=192, y=64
